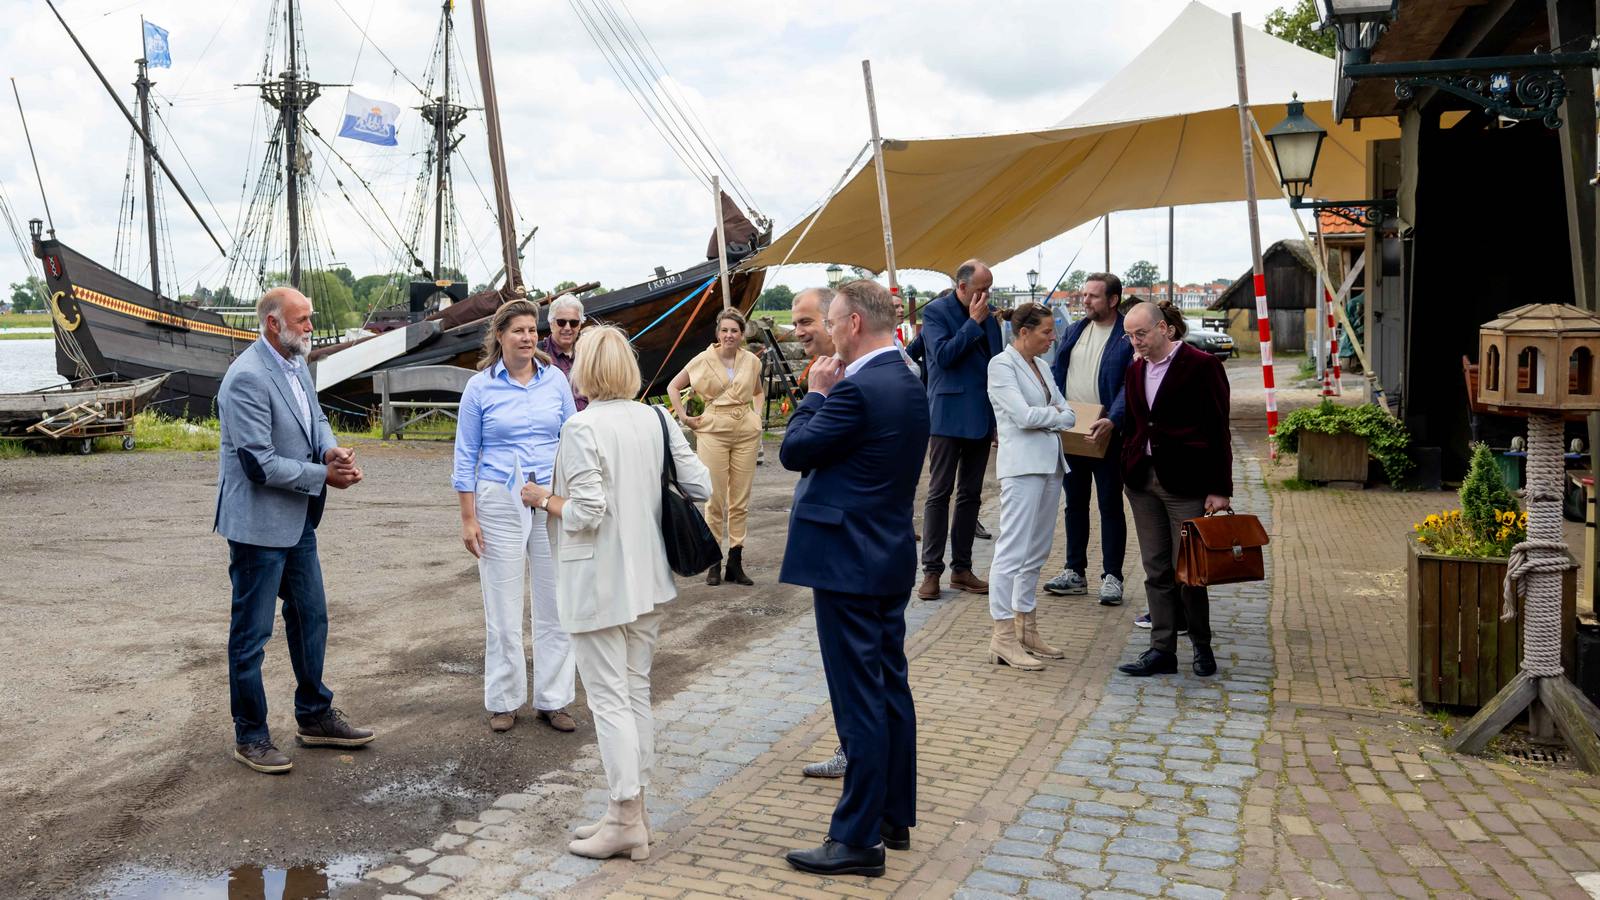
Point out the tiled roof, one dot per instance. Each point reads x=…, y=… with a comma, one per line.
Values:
x=1332, y=224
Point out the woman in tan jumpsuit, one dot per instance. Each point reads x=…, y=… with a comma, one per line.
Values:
x=727, y=433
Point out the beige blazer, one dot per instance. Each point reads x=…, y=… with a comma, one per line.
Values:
x=1027, y=416
x=611, y=565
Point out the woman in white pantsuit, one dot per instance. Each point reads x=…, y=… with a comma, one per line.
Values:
x=1029, y=411
x=506, y=435
x=612, y=572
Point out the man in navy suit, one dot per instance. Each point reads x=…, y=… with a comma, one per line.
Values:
x=960, y=335
x=1091, y=363
x=859, y=439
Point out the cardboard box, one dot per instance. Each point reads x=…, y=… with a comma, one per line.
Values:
x=1077, y=442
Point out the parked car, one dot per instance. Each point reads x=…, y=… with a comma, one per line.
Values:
x=1202, y=336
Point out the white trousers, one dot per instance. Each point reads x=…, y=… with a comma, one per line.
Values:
x=508, y=563
x=615, y=665
x=1028, y=512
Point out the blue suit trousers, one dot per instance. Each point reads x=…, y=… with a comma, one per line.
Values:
x=863, y=655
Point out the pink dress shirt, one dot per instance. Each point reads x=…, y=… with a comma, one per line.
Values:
x=1154, y=373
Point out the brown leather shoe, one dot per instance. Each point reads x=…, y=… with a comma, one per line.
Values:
x=332, y=729
x=969, y=582
x=501, y=722
x=558, y=719
x=263, y=756
x=930, y=587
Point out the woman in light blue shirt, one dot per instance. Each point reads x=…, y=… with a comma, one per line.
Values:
x=507, y=431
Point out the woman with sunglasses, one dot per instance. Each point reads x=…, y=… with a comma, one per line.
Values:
x=566, y=320
x=727, y=433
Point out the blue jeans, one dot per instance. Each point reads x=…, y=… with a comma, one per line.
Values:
x=1106, y=473
x=261, y=575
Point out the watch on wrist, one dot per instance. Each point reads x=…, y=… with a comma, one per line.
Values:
x=545, y=503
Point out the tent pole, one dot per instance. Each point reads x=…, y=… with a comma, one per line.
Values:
x=722, y=242
x=1105, y=228
x=1263, y=319
x=883, y=190
x=1171, y=286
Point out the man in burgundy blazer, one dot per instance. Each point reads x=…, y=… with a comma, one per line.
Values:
x=1177, y=463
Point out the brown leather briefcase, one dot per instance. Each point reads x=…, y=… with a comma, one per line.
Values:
x=1224, y=548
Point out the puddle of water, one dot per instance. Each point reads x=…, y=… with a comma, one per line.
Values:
x=310, y=882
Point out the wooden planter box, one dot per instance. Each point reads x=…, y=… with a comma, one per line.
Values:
x=1458, y=651
x=1332, y=457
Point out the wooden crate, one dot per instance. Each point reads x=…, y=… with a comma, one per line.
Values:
x=1459, y=653
x=1332, y=457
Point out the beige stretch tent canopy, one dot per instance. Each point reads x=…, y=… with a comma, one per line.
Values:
x=1163, y=132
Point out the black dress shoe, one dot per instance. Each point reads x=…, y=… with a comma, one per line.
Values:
x=1205, y=664
x=834, y=858
x=896, y=837
x=1153, y=662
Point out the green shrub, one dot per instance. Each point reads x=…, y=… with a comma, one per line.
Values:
x=1484, y=495
x=1387, y=438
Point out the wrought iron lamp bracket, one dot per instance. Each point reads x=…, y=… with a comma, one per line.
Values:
x=1533, y=95
x=1363, y=213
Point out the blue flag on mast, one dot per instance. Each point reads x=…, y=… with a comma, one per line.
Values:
x=368, y=120
x=157, y=54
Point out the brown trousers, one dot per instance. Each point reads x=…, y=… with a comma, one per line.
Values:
x=732, y=461
x=1157, y=518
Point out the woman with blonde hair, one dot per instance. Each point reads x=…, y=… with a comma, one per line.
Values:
x=605, y=526
x=507, y=430
x=727, y=433
x=1029, y=411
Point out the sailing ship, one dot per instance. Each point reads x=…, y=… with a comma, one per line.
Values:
x=106, y=324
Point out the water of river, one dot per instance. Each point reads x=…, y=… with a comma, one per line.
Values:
x=27, y=365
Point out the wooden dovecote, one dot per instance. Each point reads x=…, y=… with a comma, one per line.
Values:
x=1541, y=356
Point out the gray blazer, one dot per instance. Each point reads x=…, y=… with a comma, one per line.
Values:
x=269, y=468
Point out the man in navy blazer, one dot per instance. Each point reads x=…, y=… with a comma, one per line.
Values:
x=960, y=334
x=276, y=461
x=1091, y=364
x=859, y=438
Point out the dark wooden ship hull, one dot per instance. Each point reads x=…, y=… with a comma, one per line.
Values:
x=126, y=331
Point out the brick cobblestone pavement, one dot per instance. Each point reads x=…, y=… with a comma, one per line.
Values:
x=1302, y=770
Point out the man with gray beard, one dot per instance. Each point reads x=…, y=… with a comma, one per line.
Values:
x=276, y=460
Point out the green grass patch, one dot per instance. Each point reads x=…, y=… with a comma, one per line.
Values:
x=154, y=431
x=1295, y=484
x=10, y=449
x=25, y=320
x=24, y=336
x=784, y=317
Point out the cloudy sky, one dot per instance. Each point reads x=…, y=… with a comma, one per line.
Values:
x=776, y=85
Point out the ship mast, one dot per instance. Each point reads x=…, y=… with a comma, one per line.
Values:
x=290, y=95
x=142, y=85
x=497, y=156
x=441, y=133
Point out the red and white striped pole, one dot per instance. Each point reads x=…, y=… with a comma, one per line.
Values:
x=1330, y=372
x=1263, y=317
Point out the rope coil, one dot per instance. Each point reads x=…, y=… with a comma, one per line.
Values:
x=1536, y=565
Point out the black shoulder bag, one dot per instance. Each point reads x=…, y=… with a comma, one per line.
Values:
x=690, y=547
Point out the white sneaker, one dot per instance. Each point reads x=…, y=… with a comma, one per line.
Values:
x=1111, y=591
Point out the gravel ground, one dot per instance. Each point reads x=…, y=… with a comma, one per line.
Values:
x=115, y=737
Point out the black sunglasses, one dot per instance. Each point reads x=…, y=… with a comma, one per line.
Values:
x=568, y=323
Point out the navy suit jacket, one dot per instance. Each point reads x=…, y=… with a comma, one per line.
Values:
x=958, y=353
x=1114, y=362
x=860, y=450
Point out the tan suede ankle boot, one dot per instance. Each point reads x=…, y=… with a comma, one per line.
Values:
x=622, y=831
x=1004, y=649
x=1028, y=635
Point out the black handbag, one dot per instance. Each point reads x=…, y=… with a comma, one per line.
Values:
x=690, y=547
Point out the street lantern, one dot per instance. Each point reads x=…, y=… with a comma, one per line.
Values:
x=1356, y=24
x=835, y=275
x=1033, y=282
x=1296, y=143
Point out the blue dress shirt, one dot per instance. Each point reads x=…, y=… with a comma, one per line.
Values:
x=503, y=424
